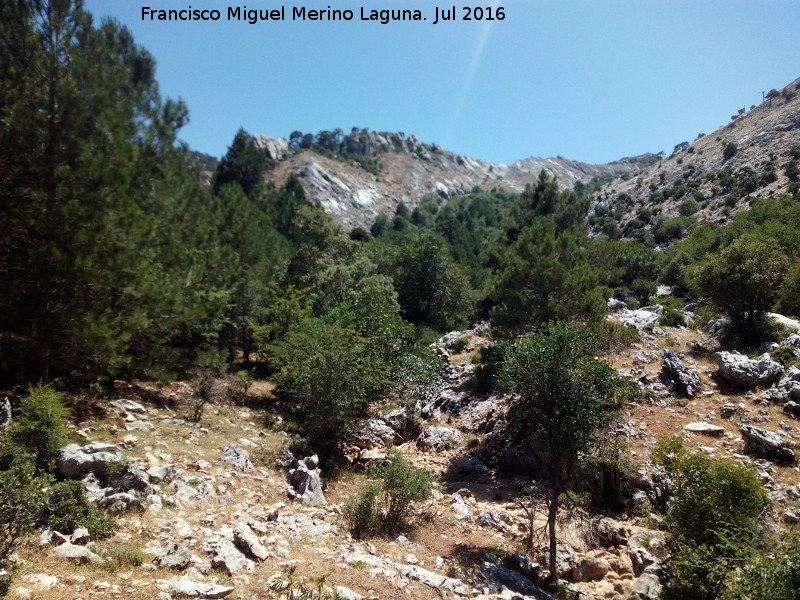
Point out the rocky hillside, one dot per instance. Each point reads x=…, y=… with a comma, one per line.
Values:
x=409, y=169
x=747, y=158
x=222, y=509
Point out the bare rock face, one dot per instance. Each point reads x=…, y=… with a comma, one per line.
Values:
x=5, y=413
x=439, y=438
x=196, y=589
x=685, y=380
x=275, y=148
x=766, y=444
x=746, y=372
x=76, y=461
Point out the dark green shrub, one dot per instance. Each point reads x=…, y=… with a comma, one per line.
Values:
x=361, y=514
x=643, y=289
x=713, y=515
x=39, y=429
x=21, y=500
x=688, y=207
x=487, y=361
x=672, y=318
x=729, y=150
x=784, y=355
x=460, y=345
x=612, y=336
x=67, y=508
x=385, y=506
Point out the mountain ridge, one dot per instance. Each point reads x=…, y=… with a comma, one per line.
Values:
x=409, y=170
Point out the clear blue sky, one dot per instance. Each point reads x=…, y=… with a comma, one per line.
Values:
x=592, y=80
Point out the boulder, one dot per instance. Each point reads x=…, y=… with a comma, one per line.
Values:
x=375, y=433
x=119, y=503
x=792, y=409
x=439, y=438
x=641, y=317
x=685, y=380
x=522, y=564
x=646, y=587
x=80, y=536
x=195, y=589
x=174, y=556
x=498, y=578
x=766, y=444
x=129, y=406
x=80, y=553
x=590, y=568
x=76, y=461
x=238, y=458
x=244, y=537
x=306, y=482
x=131, y=479
x=749, y=373
x=704, y=428
x=790, y=384
x=228, y=558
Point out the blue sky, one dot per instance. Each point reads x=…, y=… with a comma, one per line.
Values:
x=590, y=80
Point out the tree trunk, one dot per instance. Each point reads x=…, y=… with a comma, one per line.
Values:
x=552, y=512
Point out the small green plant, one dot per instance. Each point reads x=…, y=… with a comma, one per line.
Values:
x=785, y=355
x=67, y=508
x=672, y=318
x=460, y=345
x=385, y=506
x=243, y=383
x=124, y=557
x=473, y=443
x=194, y=482
x=292, y=587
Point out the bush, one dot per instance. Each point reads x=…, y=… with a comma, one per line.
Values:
x=785, y=355
x=688, y=207
x=385, y=506
x=362, y=516
x=67, y=508
x=488, y=360
x=709, y=497
x=672, y=318
x=39, y=429
x=21, y=500
x=460, y=345
x=713, y=515
x=612, y=336
x=729, y=150
x=643, y=289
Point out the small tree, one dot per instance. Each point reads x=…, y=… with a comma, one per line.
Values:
x=333, y=374
x=38, y=430
x=743, y=281
x=565, y=399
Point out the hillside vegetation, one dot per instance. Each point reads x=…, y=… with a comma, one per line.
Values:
x=490, y=393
